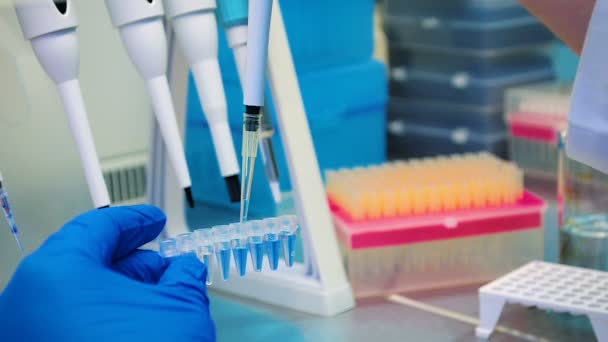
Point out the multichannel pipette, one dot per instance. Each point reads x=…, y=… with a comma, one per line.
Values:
x=255, y=86
x=142, y=30
x=8, y=214
x=196, y=30
x=51, y=28
x=256, y=239
x=233, y=15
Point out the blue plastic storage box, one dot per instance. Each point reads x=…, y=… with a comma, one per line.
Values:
x=321, y=33
x=478, y=87
x=346, y=112
x=477, y=10
x=485, y=31
x=482, y=120
x=413, y=141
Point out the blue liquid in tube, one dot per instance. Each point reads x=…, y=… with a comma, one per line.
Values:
x=273, y=249
x=289, y=247
x=256, y=249
x=223, y=260
x=240, y=258
x=208, y=260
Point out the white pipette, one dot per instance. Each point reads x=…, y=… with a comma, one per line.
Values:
x=233, y=15
x=196, y=30
x=51, y=28
x=140, y=23
x=255, y=86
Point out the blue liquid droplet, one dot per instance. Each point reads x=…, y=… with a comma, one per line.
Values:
x=240, y=258
x=256, y=249
x=223, y=259
x=273, y=248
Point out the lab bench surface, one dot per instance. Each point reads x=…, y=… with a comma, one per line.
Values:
x=383, y=320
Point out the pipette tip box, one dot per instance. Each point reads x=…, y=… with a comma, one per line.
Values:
x=439, y=250
x=535, y=116
x=414, y=252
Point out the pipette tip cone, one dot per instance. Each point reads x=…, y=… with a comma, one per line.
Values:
x=233, y=184
x=20, y=245
x=189, y=196
x=275, y=188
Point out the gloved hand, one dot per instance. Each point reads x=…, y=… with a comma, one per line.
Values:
x=89, y=282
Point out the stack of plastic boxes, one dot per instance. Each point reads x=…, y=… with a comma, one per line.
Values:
x=536, y=115
x=344, y=90
x=450, y=64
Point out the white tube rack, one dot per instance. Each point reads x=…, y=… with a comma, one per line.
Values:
x=547, y=286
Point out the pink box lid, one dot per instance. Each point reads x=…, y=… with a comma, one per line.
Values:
x=527, y=213
x=536, y=127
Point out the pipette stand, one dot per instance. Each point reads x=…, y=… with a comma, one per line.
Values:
x=318, y=286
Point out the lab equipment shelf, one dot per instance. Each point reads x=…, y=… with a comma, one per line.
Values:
x=479, y=119
x=480, y=33
x=411, y=141
x=549, y=287
x=443, y=82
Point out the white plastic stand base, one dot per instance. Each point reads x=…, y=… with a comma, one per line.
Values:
x=560, y=288
x=289, y=288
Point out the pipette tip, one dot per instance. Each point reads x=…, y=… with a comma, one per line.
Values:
x=189, y=196
x=275, y=188
x=233, y=184
x=19, y=244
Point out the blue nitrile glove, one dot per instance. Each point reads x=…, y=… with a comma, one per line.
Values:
x=89, y=282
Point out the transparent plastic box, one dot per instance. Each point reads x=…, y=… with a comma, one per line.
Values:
x=470, y=9
x=481, y=28
x=582, y=194
x=441, y=82
x=406, y=140
x=535, y=115
x=447, y=62
x=479, y=119
x=427, y=252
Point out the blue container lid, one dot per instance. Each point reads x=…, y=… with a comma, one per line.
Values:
x=477, y=10
x=329, y=95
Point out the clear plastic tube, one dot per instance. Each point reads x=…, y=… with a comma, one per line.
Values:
x=10, y=219
x=221, y=238
x=205, y=251
x=288, y=227
x=251, y=135
x=239, y=246
x=255, y=243
x=272, y=242
x=256, y=238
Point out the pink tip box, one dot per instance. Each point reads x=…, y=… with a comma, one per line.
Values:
x=535, y=115
x=430, y=251
x=536, y=127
